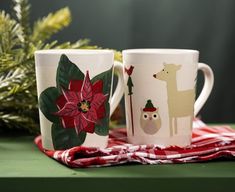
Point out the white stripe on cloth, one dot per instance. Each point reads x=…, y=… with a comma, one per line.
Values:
x=207, y=143
x=213, y=136
x=198, y=124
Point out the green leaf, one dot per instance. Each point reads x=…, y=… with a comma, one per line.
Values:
x=47, y=103
x=106, y=77
x=66, y=138
x=67, y=71
x=103, y=127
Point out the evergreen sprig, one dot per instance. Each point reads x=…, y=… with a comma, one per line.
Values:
x=10, y=33
x=18, y=41
x=22, y=11
x=44, y=28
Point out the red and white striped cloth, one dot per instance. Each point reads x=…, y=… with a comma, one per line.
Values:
x=208, y=143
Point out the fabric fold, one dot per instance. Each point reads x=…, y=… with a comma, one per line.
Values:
x=208, y=143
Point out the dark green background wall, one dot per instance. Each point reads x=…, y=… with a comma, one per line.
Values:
x=206, y=25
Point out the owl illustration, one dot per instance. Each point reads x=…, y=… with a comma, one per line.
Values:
x=150, y=120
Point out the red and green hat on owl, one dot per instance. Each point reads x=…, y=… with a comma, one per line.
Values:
x=149, y=107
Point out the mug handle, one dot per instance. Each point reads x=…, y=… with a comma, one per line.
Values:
x=207, y=87
x=119, y=91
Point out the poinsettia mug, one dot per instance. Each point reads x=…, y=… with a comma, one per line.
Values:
x=160, y=94
x=74, y=91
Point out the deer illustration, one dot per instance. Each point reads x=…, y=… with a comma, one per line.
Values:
x=180, y=102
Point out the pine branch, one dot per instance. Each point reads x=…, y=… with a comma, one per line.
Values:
x=10, y=33
x=117, y=55
x=7, y=62
x=82, y=43
x=22, y=12
x=51, y=24
x=15, y=82
x=16, y=121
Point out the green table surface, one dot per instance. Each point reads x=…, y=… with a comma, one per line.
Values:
x=23, y=166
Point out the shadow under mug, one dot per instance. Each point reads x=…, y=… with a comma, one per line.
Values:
x=160, y=94
x=74, y=91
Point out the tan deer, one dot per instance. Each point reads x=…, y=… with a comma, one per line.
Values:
x=180, y=103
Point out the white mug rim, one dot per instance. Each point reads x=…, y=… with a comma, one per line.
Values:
x=146, y=51
x=74, y=51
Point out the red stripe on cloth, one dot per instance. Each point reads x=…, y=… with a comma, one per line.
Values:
x=208, y=143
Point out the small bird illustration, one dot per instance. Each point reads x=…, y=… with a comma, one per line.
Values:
x=130, y=70
x=130, y=85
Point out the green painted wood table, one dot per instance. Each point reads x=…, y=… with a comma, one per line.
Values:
x=24, y=168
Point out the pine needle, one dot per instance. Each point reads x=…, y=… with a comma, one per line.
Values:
x=44, y=28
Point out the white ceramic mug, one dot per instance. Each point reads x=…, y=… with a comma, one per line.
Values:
x=74, y=88
x=160, y=94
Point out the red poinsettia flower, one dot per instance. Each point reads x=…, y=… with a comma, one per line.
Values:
x=82, y=105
